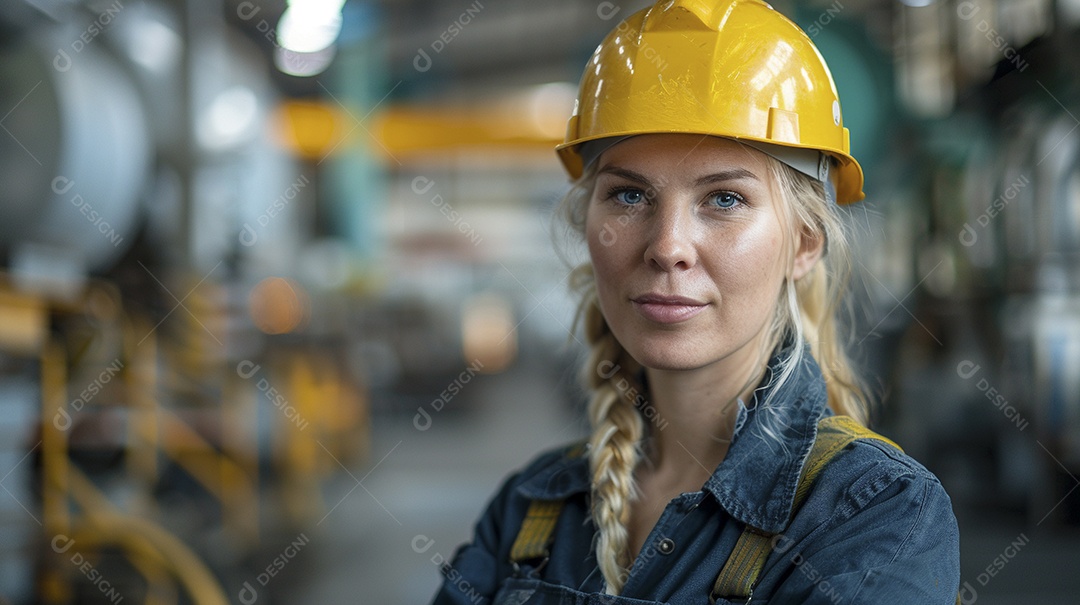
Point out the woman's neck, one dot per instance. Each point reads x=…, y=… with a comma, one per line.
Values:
x=697, y=410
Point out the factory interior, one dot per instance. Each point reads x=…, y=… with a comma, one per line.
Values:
x=284, y=297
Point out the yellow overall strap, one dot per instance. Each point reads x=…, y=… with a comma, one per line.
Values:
x=536, y=530
x=740, y=573
x=538, y=527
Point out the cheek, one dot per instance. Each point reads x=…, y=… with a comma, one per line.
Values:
x=611, y=256
x=605, y=240
x=751, y=267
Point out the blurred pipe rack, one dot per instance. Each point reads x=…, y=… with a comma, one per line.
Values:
x=154, y=442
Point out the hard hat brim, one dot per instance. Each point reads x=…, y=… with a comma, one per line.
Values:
x=848, y=179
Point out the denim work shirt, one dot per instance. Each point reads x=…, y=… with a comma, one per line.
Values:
x=877, y=528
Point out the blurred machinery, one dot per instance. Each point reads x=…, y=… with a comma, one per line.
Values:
x=966, y=281
x=171, y=407
x=199, y=304
x=987, y=374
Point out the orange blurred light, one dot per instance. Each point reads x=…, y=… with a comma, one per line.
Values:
x=278, y=305
x=489, y=332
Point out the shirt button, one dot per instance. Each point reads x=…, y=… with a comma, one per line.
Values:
x=666, y=546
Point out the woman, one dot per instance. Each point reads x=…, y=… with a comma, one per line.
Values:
x=727, y=461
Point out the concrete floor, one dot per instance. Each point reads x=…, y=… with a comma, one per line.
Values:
x=434, y=483
x=431, y=483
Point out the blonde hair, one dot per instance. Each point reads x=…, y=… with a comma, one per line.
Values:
x=806, y=313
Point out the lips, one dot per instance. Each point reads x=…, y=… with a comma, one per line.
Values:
x=666, y=309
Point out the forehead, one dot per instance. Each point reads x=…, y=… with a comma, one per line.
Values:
x=690, y=155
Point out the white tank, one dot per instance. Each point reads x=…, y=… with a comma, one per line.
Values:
x=75, y=154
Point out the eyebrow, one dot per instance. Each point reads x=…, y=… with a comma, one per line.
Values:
x=732, y=174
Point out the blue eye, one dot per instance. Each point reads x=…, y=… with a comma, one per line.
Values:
x=726, y=199
x=630, y=197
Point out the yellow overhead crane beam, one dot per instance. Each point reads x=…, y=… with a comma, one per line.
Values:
x=407, y=130
x=533, y=119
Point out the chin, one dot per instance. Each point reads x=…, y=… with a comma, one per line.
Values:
x=669, y=352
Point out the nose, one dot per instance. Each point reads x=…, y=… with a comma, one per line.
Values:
x=671, y=238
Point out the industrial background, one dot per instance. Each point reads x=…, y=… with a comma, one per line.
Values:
x=282, y=299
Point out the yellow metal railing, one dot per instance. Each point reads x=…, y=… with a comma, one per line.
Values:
x=210, y=435
x=161, y=554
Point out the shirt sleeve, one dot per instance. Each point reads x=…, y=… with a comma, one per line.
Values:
x=473, y=576
x=892, y=539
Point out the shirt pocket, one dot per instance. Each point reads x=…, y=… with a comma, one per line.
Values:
x=527, y=591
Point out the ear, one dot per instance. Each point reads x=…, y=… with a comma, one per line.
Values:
x=809, y=247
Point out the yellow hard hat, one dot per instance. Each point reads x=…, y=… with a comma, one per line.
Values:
x=729, y=68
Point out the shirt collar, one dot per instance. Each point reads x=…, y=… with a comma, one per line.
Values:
x=757, y=480
x=567, y=476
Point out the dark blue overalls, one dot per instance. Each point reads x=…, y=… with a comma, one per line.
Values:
x=873, y=527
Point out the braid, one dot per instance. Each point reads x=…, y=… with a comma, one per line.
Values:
x=614, y=446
